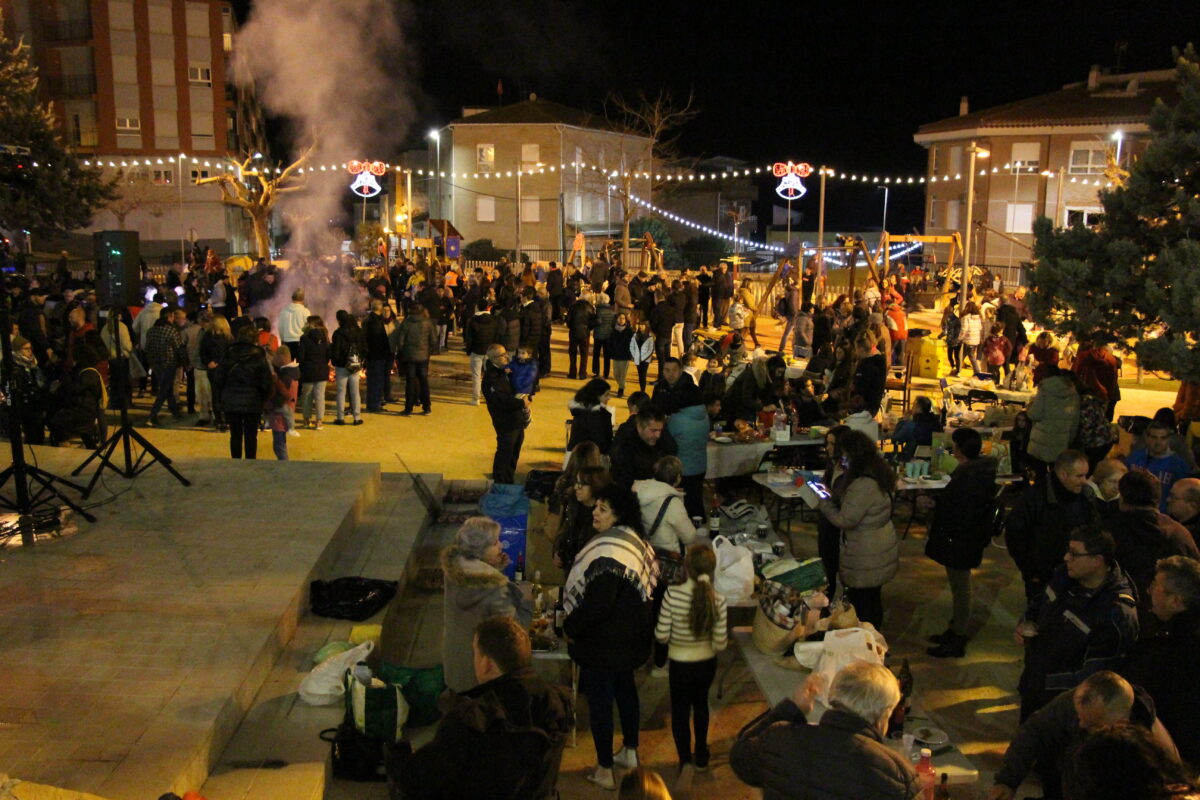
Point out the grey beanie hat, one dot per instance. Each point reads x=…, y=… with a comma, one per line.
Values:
x=476, y=535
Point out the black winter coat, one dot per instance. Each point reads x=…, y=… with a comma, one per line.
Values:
x=418, y=339
x=244, y=379
x=633, y=459
x=962, y=520
x=554, y=282
x=870, y=378
x=662, y=319
x=1038, y=526
x=531, y=326
x=581, y=318
x=1163, y=662
x=480, y=332
x=1143, y=536
x=313, y=357
x=841, y=757
x=618, y=344
x=346, y=339
x=502, y=739
x=605, y=319
x=375, y=335
x=506, y=411
x=590, y=424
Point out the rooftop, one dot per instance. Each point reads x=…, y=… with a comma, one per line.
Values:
x=1102, y=100
x=535, y=111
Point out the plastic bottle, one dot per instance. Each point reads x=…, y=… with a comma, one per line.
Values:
x=926, y=774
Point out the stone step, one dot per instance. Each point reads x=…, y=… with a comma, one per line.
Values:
x=276, y=751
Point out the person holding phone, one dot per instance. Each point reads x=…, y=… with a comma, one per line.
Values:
x=861, y=509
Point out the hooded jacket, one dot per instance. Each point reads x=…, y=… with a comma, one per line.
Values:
x=962, y=520
x=502, y=739
x=1054, y=412
x=475, y=590
x=676, y=530
x=591, y=423
x=245, y=379
x=480, y=332
x=313, y=357
x=843, y=757
x=870, y=550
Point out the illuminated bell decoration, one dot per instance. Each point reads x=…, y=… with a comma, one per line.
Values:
x=365, y=184
x=790, y=186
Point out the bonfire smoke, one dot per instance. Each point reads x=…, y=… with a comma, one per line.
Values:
x=338, y=71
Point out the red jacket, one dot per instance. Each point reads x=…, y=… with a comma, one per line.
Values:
x=1097, y=370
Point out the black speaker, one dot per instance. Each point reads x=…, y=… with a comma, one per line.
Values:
x=118, y=256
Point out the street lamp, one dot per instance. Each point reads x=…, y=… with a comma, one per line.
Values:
x=433, y=134
x=885, y=202
x=975, y=151
x=1119, y=137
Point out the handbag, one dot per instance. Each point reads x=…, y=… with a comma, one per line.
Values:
x=671, y=569
x=353, y=756
x=352, y=598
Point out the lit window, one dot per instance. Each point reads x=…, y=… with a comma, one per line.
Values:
x=129, y=124
x=164, y=177
x=1087, y=158
x=485, y=157
x=1026, y=158
x=530, y=156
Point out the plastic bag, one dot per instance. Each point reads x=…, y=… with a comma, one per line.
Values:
x=504, y=500
x=421, y=686
x=350, y=598
x=843, y=647
x=734, y=579
x=323, y=686
x=379, y=711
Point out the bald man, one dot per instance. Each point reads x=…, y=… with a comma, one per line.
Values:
x=1046, y=737
x=1183, y=503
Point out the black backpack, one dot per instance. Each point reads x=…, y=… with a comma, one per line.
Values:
x=354, y=756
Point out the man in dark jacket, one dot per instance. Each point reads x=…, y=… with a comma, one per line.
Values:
x=598, y=276
x=1037, y=528
x=605, y=320
x=543, y=357
x=722, y=293
x=704, y=282
x=1183, y=504
x=1143, y=533
x=960, y=531
x=1045, y=738
x=1165, y=657
x=662, y=325
x=1009, y=316
x=554, y=289
x=243, y=380
x=502, y=739
x=675, y=389
x=479, y=334
x=581, y=318
x=1085, y=620
x=418, y=340
x=507, y=412
x=166, y=353
x=843, y=757
x=633, y=457
x=531, y=321
x=379, y=356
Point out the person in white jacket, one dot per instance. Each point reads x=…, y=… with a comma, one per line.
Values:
x=641, y=347
x=291, y=321
x=663, y=514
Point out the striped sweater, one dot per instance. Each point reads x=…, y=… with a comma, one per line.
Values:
x=673, y=628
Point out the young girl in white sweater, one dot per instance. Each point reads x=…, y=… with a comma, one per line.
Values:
x=692, y=624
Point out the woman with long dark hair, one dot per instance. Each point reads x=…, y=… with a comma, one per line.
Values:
x=862, y=511
x=576, y=528
x=610, y=625
x=829, y=537
x=590, y=418
x=313, y=357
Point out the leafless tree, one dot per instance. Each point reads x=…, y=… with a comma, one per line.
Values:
x=135, y=193
x=256, y=190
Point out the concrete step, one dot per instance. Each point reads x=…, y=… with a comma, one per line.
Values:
x=276, y=751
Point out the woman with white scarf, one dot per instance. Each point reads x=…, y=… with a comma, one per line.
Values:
x=610, y=624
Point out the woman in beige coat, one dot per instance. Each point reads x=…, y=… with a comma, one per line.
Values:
x=870, y=552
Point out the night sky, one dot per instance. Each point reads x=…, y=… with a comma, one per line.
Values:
x=845, y=84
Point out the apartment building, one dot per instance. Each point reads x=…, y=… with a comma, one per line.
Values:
x=144, y=86
x=1039, y=156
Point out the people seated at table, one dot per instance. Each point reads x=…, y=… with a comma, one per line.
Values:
x=842, y=757
x=591, y=421
x=609, y=624
x=916, y=428
x=633, y=456
x=870, y=550
x=1084, y=621
x=862, y=420
x=692, y=625
x=1104, y=483
x=1045, y=740
x=713, y=379
x=476, y=588
x=503, y=738
x=758, y=387
x=1054, y=412
x=806, y=406
x=1143, y=534
x=1157, y=458
x=870, y=373
x=1037, y=528
x=575, y=527
x=1183, y=504
x=960, y=531
x=1121, y=761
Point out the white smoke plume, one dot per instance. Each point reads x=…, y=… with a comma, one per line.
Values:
x=338, y=71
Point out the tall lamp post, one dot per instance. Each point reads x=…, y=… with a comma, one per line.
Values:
x=1119, y=137
x=885, y=202
x=438, y=169
x=975, y=151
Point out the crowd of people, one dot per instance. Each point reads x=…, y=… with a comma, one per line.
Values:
x=1105, y=547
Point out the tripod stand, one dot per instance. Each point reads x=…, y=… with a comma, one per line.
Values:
x=124, y=435
x=34, y=487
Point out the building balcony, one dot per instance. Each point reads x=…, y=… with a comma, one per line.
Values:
x=71, y=85
x=84, y=137
x=69, y=30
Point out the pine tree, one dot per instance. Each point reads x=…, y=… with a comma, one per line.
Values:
x=1136, y=278
x=49, y=189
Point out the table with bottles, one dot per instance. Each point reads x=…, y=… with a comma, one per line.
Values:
x=727, y=459
x=778, y=682
x=546, y=638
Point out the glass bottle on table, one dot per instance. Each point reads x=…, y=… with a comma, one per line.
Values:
x=926, y=775
x=539, y=602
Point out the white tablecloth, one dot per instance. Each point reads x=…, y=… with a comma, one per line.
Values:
x=727, y=460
